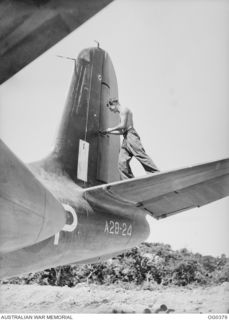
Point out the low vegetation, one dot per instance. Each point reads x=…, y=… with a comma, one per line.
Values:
x=145, y=267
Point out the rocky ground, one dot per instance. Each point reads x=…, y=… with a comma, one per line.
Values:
x=113, y=299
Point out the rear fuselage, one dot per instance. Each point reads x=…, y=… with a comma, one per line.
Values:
x=93, y=232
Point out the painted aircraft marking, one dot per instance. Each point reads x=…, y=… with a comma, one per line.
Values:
x=118, y=228
x=67, y=227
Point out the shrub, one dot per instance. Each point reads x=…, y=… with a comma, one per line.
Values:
x=146, y=266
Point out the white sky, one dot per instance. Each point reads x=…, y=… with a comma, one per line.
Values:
x=171, y=61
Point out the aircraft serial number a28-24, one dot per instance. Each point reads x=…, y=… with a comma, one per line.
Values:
x=71, y=207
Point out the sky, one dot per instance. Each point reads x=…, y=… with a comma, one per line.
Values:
x=171, y=62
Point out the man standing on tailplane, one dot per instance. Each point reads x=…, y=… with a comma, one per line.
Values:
x=131, y=145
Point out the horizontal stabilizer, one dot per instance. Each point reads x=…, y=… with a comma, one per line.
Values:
x=165, y=193
x=29, y=213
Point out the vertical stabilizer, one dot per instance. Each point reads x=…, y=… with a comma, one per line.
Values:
x=87, y=157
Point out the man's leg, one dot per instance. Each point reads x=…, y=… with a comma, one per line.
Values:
x=124, y=164
x=136, y=148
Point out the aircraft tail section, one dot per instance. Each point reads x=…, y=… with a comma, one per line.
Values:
x=87, y=157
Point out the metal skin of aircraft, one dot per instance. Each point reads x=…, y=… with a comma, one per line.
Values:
x=71, y=207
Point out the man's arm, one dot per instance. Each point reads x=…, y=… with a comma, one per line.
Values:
x=117, y=132
x=120, y=127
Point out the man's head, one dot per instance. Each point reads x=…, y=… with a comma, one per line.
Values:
x=113, y=104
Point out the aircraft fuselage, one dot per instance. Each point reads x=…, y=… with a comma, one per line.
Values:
x=92, y=232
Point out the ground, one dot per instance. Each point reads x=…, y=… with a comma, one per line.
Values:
x=112, y=299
